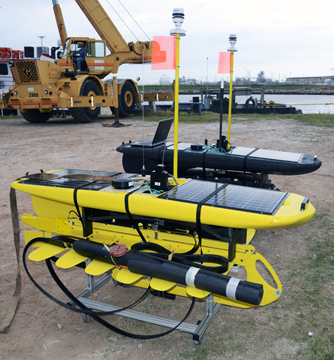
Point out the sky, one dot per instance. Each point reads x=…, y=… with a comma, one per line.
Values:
x=282, y=38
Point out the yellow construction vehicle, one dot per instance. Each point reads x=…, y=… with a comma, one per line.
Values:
x=74, y=80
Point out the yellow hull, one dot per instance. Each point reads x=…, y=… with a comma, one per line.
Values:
x=57, y=202
x=56, y=210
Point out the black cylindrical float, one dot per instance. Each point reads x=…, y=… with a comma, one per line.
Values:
x=145, y=264
x=236, y=289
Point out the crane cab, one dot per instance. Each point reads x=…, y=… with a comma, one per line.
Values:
x=85, y=55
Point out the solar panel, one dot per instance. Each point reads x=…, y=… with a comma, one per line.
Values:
x=266, y=154
x=65, y=172
x=68, y=183
x=241, y=150
x=192, y=191
x=228, y=196
x=277, y=155
x=180, y=146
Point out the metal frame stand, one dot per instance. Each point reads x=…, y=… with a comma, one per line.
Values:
x=197, y=330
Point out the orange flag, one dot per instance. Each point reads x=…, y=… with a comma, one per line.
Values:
x=163, y=53
x=224, y=63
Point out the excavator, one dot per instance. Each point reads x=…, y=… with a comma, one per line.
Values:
x=41, y=86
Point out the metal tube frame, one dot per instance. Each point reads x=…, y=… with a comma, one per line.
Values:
x=197, y=330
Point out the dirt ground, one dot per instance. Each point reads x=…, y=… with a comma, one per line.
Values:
x=42, y=329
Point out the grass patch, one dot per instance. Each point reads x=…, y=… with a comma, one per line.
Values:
x=183, y=116
x=321, y=120
x=311, y=289
x=198, y=87
x=7, y=117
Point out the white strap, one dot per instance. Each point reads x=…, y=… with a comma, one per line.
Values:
x=231, y=288
x=190, y=276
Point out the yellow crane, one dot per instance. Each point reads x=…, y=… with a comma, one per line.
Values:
x=74, y=80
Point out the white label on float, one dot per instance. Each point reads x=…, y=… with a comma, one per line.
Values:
x=157, y=183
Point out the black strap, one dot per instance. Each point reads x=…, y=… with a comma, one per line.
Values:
x=75, y=199
x=198, y=216
x=203, y=163
x=245, y=164
x=127, y=209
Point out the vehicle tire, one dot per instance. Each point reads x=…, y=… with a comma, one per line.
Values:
x=127, y=100
x=86, y=114
x=35, y=116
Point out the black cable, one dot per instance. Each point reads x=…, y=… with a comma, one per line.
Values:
x=84, y=309
x=107, y=324
x=162, y=254
x=59, y=302
x=245, y=164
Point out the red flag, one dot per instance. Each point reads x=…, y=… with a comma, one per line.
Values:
x=224, y=63
x=163, y=53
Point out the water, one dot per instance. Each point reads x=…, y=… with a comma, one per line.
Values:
x=308, y=104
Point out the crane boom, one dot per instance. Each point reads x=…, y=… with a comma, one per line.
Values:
x=60, y=22
x=103, y=25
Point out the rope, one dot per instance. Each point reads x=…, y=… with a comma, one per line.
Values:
x=17, y=292
x=122, y=20
x=135, y=21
